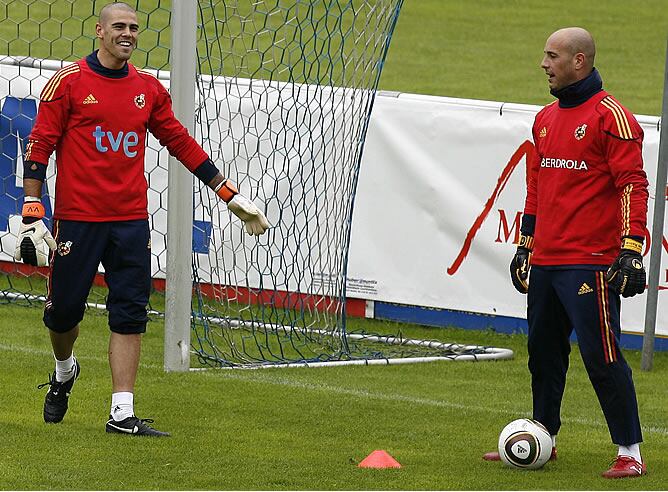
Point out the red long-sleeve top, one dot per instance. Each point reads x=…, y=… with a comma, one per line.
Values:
x=98, y=125
x=586, y=184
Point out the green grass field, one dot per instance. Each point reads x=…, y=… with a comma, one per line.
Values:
x=485, y=49
x=299, y=429
x=489, y=49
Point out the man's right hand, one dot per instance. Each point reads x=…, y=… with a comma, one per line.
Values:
x=521, y=263
x=34, y=240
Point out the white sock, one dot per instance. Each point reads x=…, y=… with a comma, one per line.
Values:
x=633, y=451
x=122, y=405
x=554, y=441
x=65, y=369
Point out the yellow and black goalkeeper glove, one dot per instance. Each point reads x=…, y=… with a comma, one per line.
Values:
x=627, y=274
x=519, y=266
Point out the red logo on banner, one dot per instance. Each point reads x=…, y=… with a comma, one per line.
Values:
x=526, y=149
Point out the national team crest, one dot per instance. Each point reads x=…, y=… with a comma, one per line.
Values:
x=64, y=248
x=140, y=101
x=580, y=131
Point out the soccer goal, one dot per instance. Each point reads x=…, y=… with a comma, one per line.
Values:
x=280, y=94
x=285, y=93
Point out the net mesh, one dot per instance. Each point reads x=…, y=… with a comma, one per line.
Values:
x=285, y=90
x=285, y=113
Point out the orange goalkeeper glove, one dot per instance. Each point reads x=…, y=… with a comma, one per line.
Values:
x=254, y=220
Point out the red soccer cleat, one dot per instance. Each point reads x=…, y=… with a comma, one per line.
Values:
x=494, y=455
x=625, y=466
x=491, y=456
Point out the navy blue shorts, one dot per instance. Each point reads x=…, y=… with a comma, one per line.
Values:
x=124, y=250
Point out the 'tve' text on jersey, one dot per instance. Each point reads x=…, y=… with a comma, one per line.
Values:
x=98, y=126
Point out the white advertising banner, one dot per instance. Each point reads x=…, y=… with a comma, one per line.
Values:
x=437, y=208
x=439, y=203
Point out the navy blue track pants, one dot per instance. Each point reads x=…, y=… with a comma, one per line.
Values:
x=563, y=300
x=123, y=248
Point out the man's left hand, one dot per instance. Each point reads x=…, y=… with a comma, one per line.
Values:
x=627, y=274
x=255, y=221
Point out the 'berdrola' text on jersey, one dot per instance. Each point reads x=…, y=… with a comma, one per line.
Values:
x=587, y=157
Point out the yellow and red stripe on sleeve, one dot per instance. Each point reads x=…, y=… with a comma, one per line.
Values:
x=626, y=209
x=622, y=126
x=51, y=87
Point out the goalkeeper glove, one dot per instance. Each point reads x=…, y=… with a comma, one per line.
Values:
x=520, y=264
x=255, y=221
x=35, y=240
x=627, y=274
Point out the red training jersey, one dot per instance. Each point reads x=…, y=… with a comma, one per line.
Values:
x=586, y=183
x=97, y=125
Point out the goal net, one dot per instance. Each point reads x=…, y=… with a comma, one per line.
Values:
x=286, y=91
x=284, y=96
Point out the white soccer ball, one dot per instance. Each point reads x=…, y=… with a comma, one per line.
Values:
x=525, y=443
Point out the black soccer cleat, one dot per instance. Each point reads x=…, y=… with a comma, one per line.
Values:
x=134, y=426
x=55, y=402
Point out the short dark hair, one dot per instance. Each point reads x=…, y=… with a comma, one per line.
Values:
x=111, y=6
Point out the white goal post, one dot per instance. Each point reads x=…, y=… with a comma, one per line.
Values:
x=178, y=286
